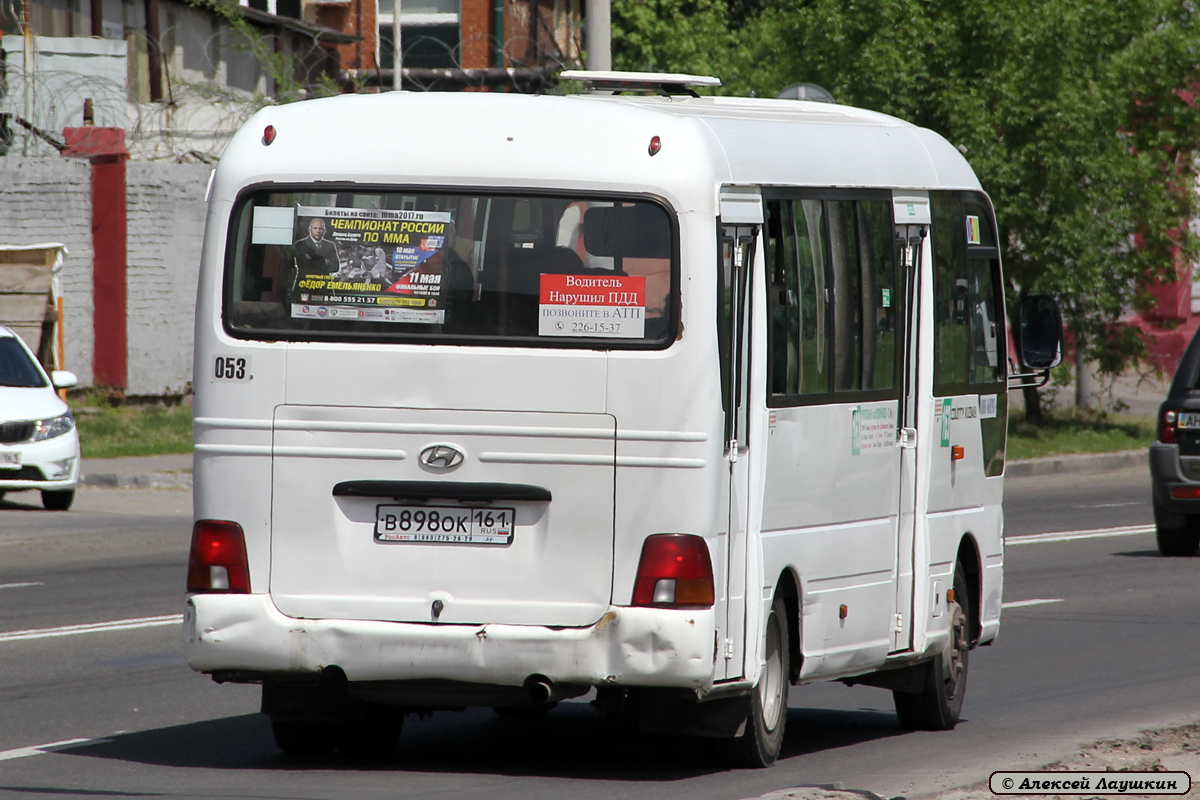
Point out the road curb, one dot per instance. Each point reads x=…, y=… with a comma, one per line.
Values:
x=154, y=480
x=1089, y=462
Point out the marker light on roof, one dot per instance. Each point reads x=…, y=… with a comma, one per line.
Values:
x=269, y=134
x=655, y=145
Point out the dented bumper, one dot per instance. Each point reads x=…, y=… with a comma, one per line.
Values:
x=627, y=647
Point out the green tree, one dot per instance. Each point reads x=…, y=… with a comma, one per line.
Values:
x=1079, y=117
x=672, y=35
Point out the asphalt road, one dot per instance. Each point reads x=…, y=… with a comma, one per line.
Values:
x=1115, y=651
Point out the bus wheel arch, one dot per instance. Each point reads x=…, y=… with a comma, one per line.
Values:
x=787, y=589
x=972, y=565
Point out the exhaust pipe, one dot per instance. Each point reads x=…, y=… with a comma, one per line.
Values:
x=540, y=689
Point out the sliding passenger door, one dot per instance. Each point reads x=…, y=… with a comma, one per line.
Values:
x=835, y=348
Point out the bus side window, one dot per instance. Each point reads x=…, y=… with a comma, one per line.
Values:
x=969, y=336
x=879, y=295
x=725, y=245
x=839, y=288
x=983, y=270
x=951, y=289
x=985, y=326
x=736, y=247
x=847, y=297
x=798, y=302
x=814, y=296
x=784, y=301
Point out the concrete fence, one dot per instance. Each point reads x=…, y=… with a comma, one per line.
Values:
x=49, y=200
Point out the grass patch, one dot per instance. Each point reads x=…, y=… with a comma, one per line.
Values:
x=115, y=431
x=1066, y=433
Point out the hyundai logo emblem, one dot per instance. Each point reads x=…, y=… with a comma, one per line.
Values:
x=442, y=456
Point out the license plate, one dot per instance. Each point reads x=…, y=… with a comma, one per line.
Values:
x=444, y=524
x=1189, y=419
x=10, y=459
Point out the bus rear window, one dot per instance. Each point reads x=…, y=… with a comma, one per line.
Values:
x=433, y=267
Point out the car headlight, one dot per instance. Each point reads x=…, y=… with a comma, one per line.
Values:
x=49, y=428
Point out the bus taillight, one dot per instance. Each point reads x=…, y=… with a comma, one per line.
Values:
x=217, y=562
x=675, y=571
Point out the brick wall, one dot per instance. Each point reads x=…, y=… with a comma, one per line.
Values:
x=49, y=200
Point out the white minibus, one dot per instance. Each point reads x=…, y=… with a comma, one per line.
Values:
x=505, y=399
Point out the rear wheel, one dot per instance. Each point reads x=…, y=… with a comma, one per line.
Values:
x=760, y=745
x=58, y=500
x=1176, y=534
x=937, y=705
x=298, y=737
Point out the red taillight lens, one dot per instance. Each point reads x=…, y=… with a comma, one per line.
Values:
x=1166, y=427
x=218, y=562
x=1186, y=492
x=675, y=572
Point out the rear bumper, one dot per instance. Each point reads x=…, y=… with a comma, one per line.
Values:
x=1167, y=471
x=627, y=647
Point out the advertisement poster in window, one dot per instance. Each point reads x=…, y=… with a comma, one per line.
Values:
x=373, y=265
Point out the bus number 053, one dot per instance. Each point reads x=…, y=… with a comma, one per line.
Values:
x=231, y=368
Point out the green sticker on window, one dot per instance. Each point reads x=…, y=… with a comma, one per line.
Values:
x=946, y=405
x=887, y=298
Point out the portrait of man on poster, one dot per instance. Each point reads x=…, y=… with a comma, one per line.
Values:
x=316, y=255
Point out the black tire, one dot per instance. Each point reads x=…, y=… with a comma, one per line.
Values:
x=374, y=738
x=938, y=705
x=1176, y=534
x=763, y=740
x=298, y=737
x=58, y=500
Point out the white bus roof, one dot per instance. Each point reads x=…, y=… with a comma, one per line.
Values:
x=597, y=142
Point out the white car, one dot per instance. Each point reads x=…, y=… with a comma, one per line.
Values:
x=39, y=445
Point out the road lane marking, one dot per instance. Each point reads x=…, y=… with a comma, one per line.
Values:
x=21, y=585
x=93, y=627
x=40, y=749
x=1066, y=536
x=1026, y=603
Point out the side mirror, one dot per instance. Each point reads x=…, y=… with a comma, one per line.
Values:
x=62, y=379
x=1041, y=332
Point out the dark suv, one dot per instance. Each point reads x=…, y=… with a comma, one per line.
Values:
x=1175, y=460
